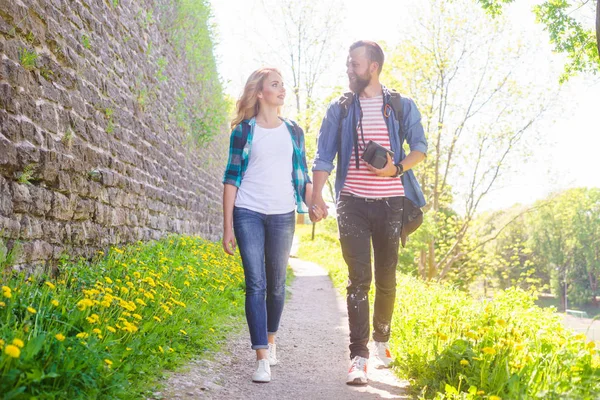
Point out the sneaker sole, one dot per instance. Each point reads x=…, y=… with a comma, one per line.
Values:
x=260, y=381
x=357, y=382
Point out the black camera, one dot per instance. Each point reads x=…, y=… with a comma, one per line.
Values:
x=375, y=154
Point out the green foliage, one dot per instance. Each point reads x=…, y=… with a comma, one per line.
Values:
x=8, y=256
x=67, y=138
x=108, y=329
x=566, y=31
x=566, y=236
x=28, y=59
x=202, y=116
x=26, y=176
x=450, y=345
x=160, y=73
x=85, y=41
x=110, y=127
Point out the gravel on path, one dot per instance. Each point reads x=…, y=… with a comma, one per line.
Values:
x=312, y=347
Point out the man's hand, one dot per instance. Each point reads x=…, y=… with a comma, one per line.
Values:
x=389, y=168
x=318, y=209
x=229, y=242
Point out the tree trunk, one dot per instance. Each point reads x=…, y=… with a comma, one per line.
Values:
x=598, y=27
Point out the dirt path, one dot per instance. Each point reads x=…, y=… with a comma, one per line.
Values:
x=312, y=349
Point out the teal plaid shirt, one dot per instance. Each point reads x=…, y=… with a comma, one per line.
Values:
x=240, y=146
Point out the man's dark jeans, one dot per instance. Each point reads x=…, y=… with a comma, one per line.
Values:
x=360, y=221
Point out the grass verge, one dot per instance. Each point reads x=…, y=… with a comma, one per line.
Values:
x=450, y=345
x=109, y=328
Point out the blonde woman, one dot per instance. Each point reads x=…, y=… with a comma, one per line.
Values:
x=265, y=180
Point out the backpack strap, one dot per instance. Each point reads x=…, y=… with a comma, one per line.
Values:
x=396, y=103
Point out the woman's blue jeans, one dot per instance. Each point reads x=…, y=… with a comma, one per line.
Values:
x=264, y=242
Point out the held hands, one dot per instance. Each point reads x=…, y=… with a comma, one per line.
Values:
x=388, y=170
x=317, y=210
x=229, y=242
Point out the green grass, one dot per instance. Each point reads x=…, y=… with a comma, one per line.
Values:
x=109, y=329
x=28, y=59
x=450, y=345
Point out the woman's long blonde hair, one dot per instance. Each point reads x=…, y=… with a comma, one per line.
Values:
x=247, y=106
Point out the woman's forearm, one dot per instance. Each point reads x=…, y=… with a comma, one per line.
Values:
x=229, y=193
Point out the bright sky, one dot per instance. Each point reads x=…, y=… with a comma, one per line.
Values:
x=572, y=134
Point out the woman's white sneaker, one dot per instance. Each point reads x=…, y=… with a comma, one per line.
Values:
x=263, y=371
x=273, y=354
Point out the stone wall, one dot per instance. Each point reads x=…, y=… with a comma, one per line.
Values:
x=94, y=149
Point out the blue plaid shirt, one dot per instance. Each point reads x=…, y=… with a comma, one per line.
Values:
x=240, y=147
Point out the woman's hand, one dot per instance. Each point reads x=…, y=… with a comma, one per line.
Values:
x=229, y=242
x=315, y=213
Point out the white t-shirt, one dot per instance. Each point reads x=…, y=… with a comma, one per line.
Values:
x=267, y=185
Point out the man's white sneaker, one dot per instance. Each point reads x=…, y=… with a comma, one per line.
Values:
x=357, y=374
x=383, y=355
x=263, y=371
x=273, y=354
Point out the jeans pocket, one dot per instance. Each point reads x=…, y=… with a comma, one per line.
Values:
x=395, y=204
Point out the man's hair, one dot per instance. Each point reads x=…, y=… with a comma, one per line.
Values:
x=374, y=52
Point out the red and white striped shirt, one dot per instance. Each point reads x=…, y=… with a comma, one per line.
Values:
x=362, y=182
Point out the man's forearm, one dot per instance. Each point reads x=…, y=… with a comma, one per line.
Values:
x=412, y=159
x=319, y=179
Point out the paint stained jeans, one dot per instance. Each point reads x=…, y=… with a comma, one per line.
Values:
x=264, y=242
x=361, y=222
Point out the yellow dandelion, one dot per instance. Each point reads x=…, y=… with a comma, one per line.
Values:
x=2, y=304
x=85, y=303
x=107, y=361
x=495, y=397
x=464, y=362
x=160, y=349
x=128, y=348
x=501, y=322
x=117, y=250
x=590, y=345
x=182, y=331
x=31, y=310
x=140, y=302
x=1, y=343
x=157, y=318
x=50, y=285
x=55, y=303
x=82, y=335
x=12, y=351
x=108, y=280
x=18, y=342
x=6, y=292
x=442, y=336
x=137, y=316
x=96, y=331
x=480, y=392
x=111, y=329
x=60, y=337
x=489, y=350
x=186, y=283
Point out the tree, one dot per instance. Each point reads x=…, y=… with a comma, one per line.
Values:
x=569, y=24
x=462, y=72
x=304, y=41
x=566, y=234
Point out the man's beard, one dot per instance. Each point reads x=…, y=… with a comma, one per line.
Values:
x=360, y=83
